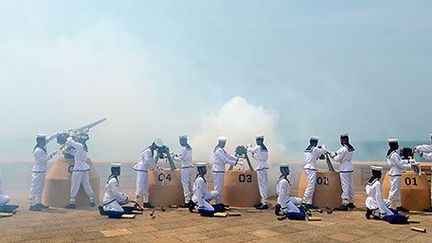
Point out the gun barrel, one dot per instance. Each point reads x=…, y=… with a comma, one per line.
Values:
x=91, y=125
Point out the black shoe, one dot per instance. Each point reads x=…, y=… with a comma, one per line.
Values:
x=429, y=210
x=101, y=210
x=185, y=205
x=258, y=205
x=148, y=205
x=343, y=207
x=402, y=209
x=42, y=206
x=191, y=206
x=262, y=207
x=368, y=214
x=351, y=205
x=71, y=206
x=35, y=207
x=277, y=209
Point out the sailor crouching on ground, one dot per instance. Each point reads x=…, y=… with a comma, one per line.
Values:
x=201, y=196
x=260, y=154
x=377, y=207
x=290, y=206
x=4, y=200
x=185, y=157
x=114, y=200
x=425, y=152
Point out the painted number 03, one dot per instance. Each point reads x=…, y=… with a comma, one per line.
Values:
x=245, y=178
x=411, y=181
x=162, y=177
x=322, y=180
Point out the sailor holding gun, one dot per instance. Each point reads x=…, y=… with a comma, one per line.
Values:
x=185, y=158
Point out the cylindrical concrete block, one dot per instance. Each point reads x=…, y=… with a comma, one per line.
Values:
x=58, y=183
x=241, y=188
x=328, y=189
x=165, y=188
x=415, y=190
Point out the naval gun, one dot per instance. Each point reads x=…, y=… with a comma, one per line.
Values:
x=164, y=153
x=81, y=133
x=407, y=154
x=241, y=152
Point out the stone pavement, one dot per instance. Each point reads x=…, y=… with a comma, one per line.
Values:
x=178, y=225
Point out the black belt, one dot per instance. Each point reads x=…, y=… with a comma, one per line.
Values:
x=265, y=168
x=218, y=171
x=346, y=171
x=310, y=169
x=395, y=175
x=141, y=170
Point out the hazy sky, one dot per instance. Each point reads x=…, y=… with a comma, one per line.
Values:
x=162, y=68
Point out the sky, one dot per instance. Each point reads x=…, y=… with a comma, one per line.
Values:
x=165, y=68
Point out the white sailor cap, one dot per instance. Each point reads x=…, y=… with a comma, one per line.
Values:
x=158, y=142
x=284, y=166
x=222, y=138
x=376, y=168
x=115, y=165
x=41, y=135
x=259, y=137
x=184, y=136
x=315, y=138
x=198, y=165
x=392, y=140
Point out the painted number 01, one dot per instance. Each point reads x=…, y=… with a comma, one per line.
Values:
x=411, y=181
x=322, y=180
x=245, y=178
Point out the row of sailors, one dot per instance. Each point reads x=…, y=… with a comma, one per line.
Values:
x=80, y=174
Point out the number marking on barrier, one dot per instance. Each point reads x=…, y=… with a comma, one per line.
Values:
x=245, y=178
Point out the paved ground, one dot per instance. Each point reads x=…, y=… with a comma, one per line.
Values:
x=178, y=225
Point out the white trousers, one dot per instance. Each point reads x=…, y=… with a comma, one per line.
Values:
x=81, y=178
x=114, y=206
x=37, y=187
x=218, y=185
x=292, y=205
x=142, y=186
x=204, y=204
x=262, y=183
x=310, y=189
x=347, y=183
x=186, y=181
x=394, y=194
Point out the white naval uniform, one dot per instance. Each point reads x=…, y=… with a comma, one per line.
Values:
x=375, y=201
x=40, y=158
x=185, y=157
x=146, y=163
x=425, y=148
x=113, y=198
x=4, y=199
x=427, y=156
x=311, y=157
x=397, y=165
x=220, y=158
x=346, y=169
x=261, y=155
x=201, y=196
x=288, y=204
x=80, y=173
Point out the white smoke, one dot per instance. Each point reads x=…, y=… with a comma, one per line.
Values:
x=240, y=122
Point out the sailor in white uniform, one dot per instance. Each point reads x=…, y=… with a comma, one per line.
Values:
x=4, y=200
x=312, y=153
x=201, y=196
x=146, y=163
x=397, y=166
x=80, y=173
x=260, y=154
x=425, y=152
x=344, y=157
x=290, y=206
x=185, y=158
x=220, y=159
x=40, y=160
x=376, y=206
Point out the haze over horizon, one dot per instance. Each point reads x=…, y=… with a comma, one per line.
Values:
x=288, y=69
